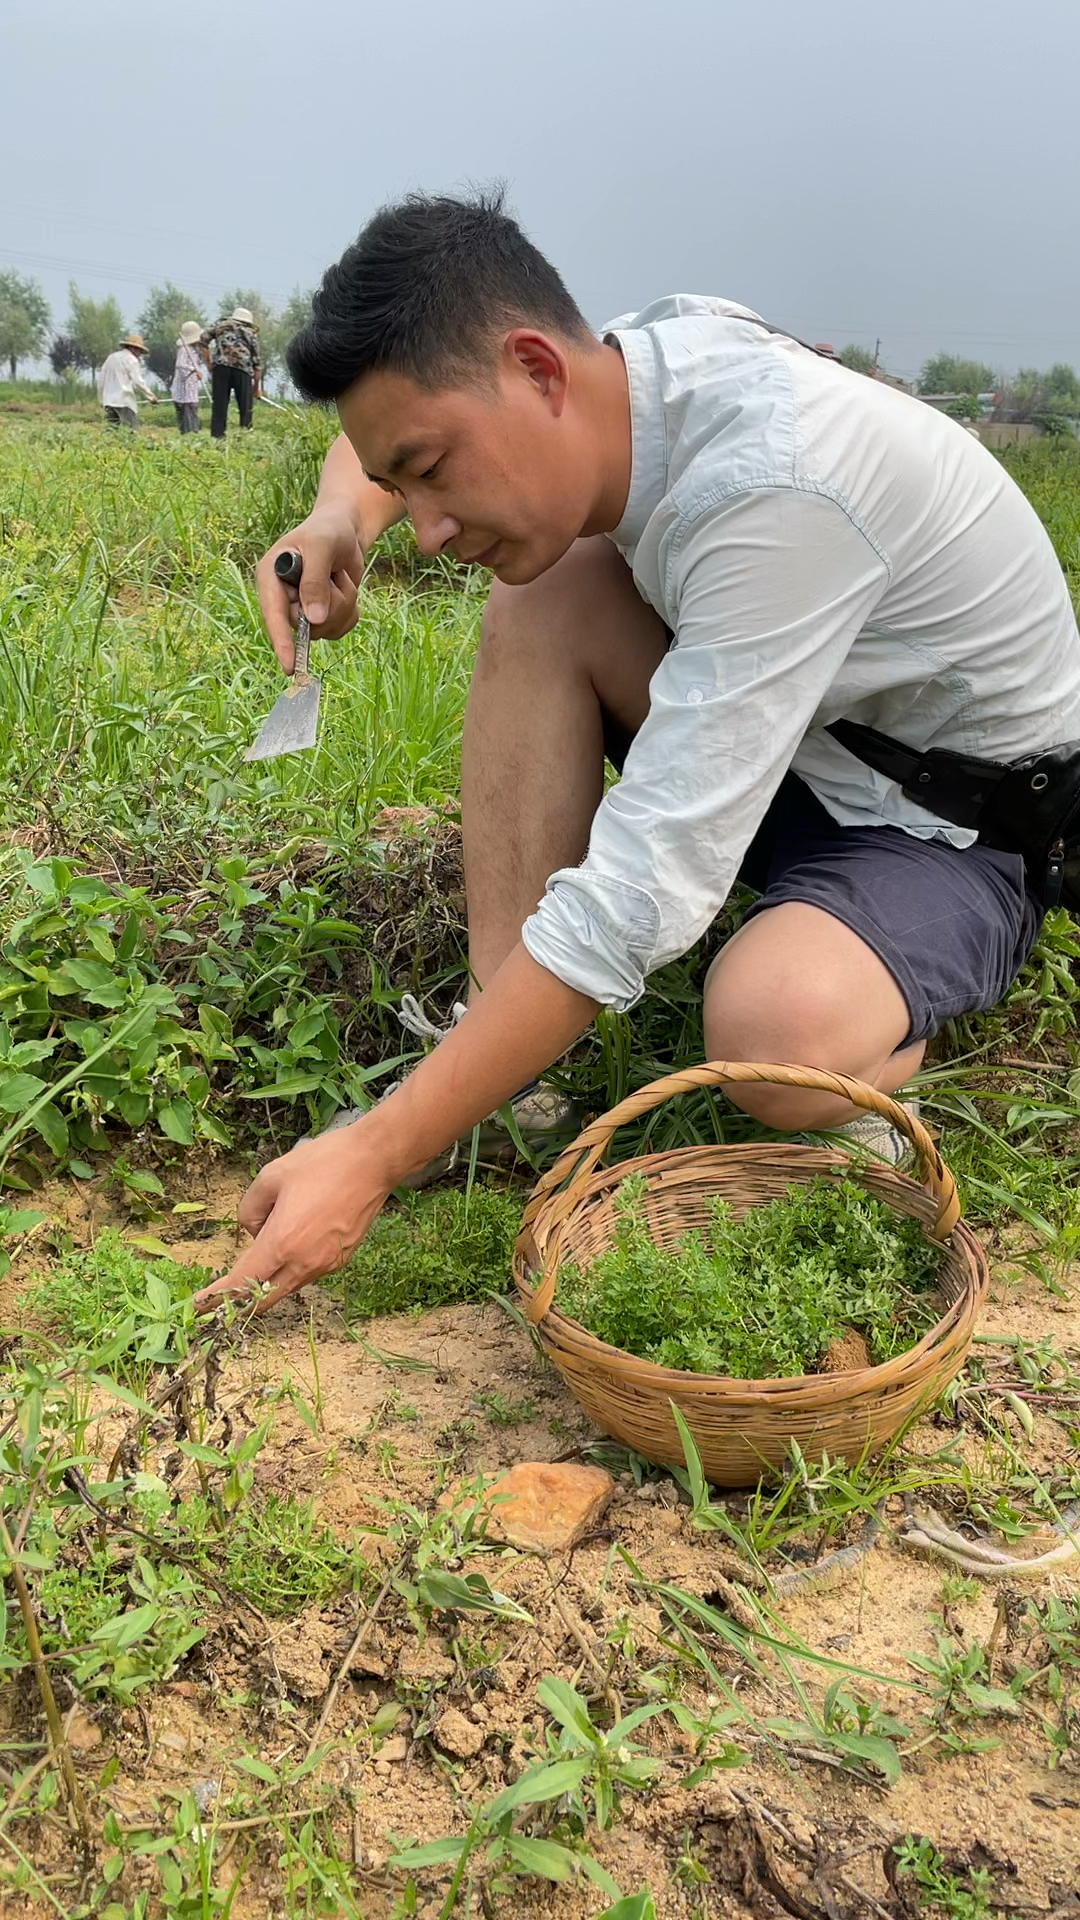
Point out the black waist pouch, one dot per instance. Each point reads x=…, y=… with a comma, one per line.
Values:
x=1030, y=807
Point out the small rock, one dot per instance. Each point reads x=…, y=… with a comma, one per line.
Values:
x=395, y=1749
x=382, y=1768
x=173, y=1742
x=546, y=1505
x=83, y=1733
x=457, y=1735
x=299, y=1661
x=666, y=1520
x=425, y=1661
x=370, y=1662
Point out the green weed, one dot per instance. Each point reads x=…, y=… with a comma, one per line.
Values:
x=969, y=1897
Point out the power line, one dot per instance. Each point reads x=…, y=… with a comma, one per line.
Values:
x=66, y=216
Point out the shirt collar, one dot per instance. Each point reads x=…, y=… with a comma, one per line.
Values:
x=648, y=461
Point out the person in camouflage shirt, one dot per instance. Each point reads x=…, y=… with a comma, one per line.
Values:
x=235, y=359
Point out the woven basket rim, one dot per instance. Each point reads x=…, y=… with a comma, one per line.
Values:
x=809, y=1387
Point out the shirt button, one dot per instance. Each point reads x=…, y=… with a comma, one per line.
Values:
x=695, y=695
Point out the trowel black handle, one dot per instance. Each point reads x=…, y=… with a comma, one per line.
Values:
x=289, y=567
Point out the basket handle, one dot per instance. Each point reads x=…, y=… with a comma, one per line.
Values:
x=578, y=1161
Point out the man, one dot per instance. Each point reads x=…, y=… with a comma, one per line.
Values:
x=708, y=544
x=234, y=357
x=120, y=381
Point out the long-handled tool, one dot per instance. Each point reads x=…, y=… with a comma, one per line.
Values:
x=293, y=722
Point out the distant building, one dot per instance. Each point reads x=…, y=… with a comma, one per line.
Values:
x=943, y=401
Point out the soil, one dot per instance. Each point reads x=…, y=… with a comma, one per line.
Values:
x=409, y=1404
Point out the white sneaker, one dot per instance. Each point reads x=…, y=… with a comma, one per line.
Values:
x=871, y=1137
x=541, y=1113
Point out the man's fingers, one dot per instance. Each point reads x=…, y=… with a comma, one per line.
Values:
x=276, y=599
x=258, y=1202
x=255, y=1276
x=328, y=599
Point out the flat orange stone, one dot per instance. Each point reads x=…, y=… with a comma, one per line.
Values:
x=545, y=1505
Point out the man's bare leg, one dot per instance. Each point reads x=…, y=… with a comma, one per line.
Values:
x=798, y=987
x=552, y=655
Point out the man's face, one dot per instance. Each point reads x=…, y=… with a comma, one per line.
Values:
x=493, y=475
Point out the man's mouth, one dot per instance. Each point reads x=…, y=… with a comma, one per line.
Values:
x=485, y=559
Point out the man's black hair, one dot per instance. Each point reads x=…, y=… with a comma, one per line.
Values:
x=424, y=290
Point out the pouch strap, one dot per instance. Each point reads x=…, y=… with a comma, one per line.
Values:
x=956, y=786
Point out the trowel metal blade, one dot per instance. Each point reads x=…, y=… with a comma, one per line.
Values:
x=292, y=724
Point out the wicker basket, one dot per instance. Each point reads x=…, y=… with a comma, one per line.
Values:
x=743, y=1428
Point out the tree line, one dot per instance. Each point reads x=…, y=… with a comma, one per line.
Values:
x=1044, y=397
x=93, y=328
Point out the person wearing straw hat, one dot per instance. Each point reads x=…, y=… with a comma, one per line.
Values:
x=188, y=376
x=235, y=360
x=120, y=381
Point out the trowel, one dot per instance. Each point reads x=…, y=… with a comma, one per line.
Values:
x=293, y=722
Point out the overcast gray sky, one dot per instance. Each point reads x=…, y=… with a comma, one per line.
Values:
x=851, y=170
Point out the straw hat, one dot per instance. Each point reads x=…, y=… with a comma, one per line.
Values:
x=243, y=313
x=135, y=341
x=190, y=332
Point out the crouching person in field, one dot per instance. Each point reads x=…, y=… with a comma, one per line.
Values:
x=120, y=382
x=708, y=544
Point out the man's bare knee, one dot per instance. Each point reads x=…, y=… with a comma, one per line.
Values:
x=583, y=616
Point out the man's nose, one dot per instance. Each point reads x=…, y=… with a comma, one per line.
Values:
x=434, y=531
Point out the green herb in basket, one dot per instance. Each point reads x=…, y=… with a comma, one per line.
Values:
x=764, y=1296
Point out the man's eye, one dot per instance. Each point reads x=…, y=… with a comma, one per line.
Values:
x=430, y=472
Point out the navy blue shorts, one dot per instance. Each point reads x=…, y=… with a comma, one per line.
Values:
x=954, y=925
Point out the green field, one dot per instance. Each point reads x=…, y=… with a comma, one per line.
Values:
x=201, y=958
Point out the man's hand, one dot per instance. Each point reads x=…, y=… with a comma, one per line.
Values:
x=309, y=1212
x=333, y=569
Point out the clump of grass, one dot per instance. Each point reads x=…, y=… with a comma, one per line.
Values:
x=99, y=1295
x=763, y=1296
x=434, y=1250
x=275, y=1551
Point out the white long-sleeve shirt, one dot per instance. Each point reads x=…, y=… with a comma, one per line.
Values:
x=120, y=380
x=822, y=546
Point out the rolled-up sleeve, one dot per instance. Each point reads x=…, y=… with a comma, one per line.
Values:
x=771, y=589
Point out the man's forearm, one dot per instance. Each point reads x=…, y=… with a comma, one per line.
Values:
x=345, y=486
x=521, y=1022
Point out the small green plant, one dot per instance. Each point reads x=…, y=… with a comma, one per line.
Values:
x=501, y=1409
x=940, y=1891
x=581, y=1779
x=90, y=1296
x=764, y=1295
x=962, y=1692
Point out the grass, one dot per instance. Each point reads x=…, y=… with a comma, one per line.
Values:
x=135, y=666
x=436, y=1249
x=198, y=952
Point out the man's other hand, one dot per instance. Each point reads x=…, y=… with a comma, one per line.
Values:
x=333, y=569
x=308, y=1213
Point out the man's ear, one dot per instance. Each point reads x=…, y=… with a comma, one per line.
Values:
x=541, y=361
